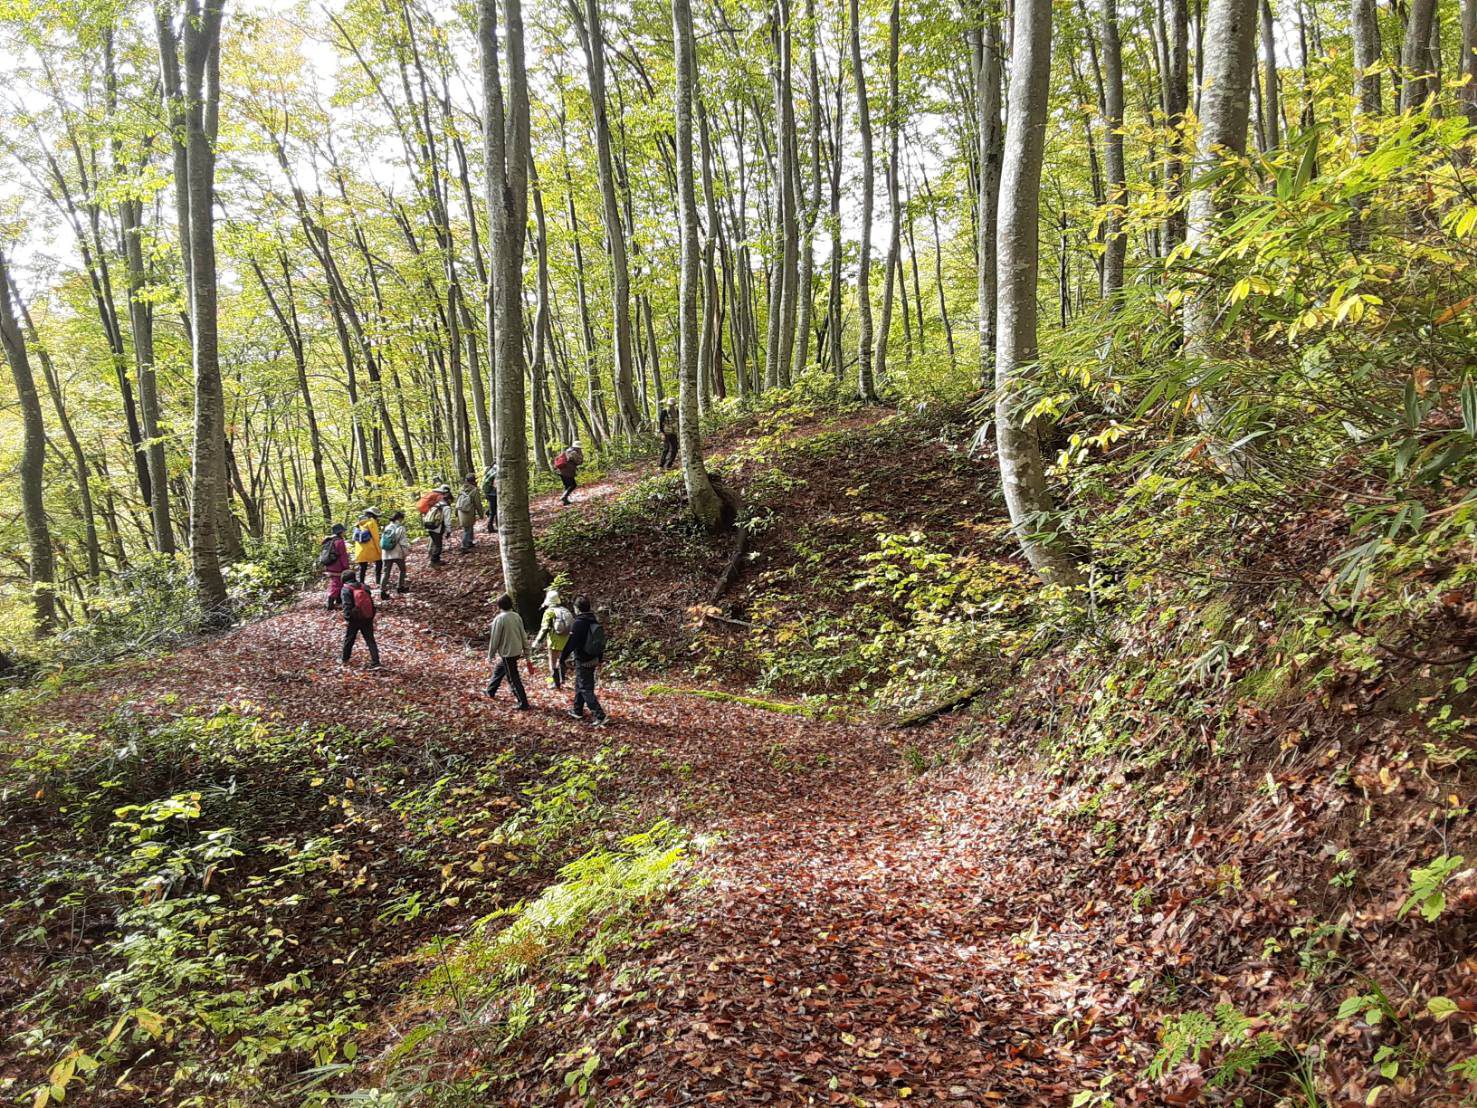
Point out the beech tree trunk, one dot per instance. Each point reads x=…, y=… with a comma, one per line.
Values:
x=33, y=461
x=211, y=530
x=1468, y=67
x=592, y=38
x=866, y=384
x=1022, y=472
x=1115, y=242
x=1415, y=63
x=701, y=498
x=894, y=207
x=1271, y=97
x=985, y=42
x=506, y=146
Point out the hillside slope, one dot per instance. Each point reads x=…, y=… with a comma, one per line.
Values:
x=1121, y=874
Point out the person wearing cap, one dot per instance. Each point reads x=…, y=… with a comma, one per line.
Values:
x=554, y=629
x=437, y=519
x=367, y=545
x=395, y=543
x=334, y=558
x=666, y=424
x=468, y=511
x=567, y=465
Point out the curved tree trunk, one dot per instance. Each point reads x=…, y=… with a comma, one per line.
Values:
x=700, y=495
x=33, y=459
x=1022, y=473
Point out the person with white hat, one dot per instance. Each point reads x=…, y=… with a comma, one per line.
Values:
x=554, y=629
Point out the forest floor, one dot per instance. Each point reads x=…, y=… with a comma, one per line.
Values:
x=852, y=931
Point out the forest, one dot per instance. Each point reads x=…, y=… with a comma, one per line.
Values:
x=1020, y=455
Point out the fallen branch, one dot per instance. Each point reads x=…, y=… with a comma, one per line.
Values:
x=735, y=563
x=924, y=715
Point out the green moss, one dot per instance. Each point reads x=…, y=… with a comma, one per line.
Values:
x=813, y=711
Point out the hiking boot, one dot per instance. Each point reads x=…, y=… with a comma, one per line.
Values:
x=374, y=665
x=601, y=721
x=572, y=714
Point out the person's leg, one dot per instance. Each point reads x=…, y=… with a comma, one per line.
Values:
x=568, y=487
x=403, y=586
x=350, y=634
x=578, y=708
x=556, y=676
x=515, y=682
x=435, y=537
x=589, y=674
x=499, y=671
x=379, y=569
x=374, y=650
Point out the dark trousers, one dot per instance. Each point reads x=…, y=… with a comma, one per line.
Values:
x=436, y=539
x=568, y=480
x=491, y=514
x=556, y=671
x=584, y=690
x=508, y=667
x=379, y=569
x=669, y=451
x=352, y=630
x=393, y=564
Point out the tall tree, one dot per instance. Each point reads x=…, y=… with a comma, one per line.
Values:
x=189, y=49
x=866, y=384
x=701, y=498
x=33, y=459
x=1416, y=81
x=985, y=46
x=1022, y=472
x=894, y=205
x=505, y=138
x=1115, y=242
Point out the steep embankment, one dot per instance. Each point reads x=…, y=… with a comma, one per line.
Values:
x=1150, y=865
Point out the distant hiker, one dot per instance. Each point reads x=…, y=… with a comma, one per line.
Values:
x=468, y=511
x=395, y=545
x=358, y=604
x=567, y=464
x=587, y=645
x=367, y=545
x=508, y=643
x=489, y=493
x=333, y=559
x=666, y=423
x=554, y=628
x=435, y=509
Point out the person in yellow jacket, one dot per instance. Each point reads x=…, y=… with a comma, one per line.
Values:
x=367, y=546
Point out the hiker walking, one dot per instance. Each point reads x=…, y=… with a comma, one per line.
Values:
x=468, y=511
x=395, y=545
x=333, y=559
x=367, y=545
x=554, y=628
x=489, y=493
x=567, y=464
x=507, y=643
x=358, y=604
x=435, y=508
x=587, y=645
x=666, y=423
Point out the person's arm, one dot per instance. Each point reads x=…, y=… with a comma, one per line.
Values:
x=574, y=642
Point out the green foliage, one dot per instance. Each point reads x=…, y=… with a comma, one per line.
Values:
x=1193, y=1034
x=1427, y=887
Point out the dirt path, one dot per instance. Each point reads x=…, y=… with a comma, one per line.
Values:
x=855, y=938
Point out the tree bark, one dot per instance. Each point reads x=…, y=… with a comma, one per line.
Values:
x=1271, y=98
x=866, y=384
x=894, y=207
x=1022, y=472
x=33, y=461
x=1115, y=242
x=506, y=146
x=701, y=498
x=1416, y=83
x=985, y=41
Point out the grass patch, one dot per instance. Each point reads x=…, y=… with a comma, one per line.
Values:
x=812, y=711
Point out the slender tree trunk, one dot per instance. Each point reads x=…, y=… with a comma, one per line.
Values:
x=1177, y=104
x=866, y=386
x=506, y=146
x=1271, y=98
x=894, y=208
x=1468, y=66
x=988, y=132
x=209, y=529
x=538, y=370
x=1415, y=65
x=33, y=461
x=1022, y=473
x=1115, y=242
x=592, y=37
x=701, y=498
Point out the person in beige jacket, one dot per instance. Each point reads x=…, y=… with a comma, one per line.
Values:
x=506, y=644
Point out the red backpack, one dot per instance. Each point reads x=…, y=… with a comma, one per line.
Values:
x=561, y=460
x=363, y=602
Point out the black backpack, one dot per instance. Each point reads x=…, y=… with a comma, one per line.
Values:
x=595, y=642
x=326, y=556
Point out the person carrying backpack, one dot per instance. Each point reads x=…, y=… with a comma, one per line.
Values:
x=587, y=645
x=489, y=492
x=468, y=511
x=554, y=628
x=435, y=509
x=367, y=545
x=358, y=603
x=567, y=465
x=333, y=559
x=507, y=643
x=666, y=424
x=395, y=544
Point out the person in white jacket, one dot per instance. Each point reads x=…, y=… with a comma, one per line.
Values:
x=395, y=544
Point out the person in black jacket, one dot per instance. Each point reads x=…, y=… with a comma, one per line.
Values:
x=586, y=660
x=357, y=623
x=666, y=424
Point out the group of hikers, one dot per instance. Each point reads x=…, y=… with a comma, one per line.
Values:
x=345, y=558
